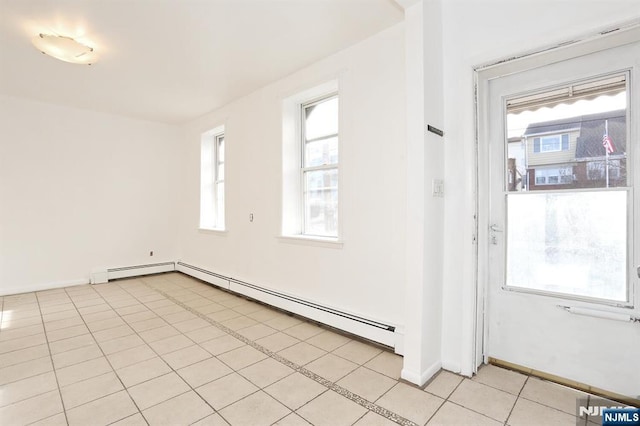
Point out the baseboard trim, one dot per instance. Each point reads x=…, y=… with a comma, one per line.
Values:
x=452, y=366
x=420, y=379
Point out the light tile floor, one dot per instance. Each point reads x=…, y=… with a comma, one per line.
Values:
x=168, y=349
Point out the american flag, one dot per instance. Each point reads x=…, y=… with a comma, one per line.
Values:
x=608, y=144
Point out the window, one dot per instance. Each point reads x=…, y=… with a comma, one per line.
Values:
x=320, y=167
x=597, y=170
x=554, y=176
x=212, y=170
x=561, y=239
x=552, y=143
x=311, y=166
x=219, y=180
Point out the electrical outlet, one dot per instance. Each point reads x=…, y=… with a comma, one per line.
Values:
x=151, y=253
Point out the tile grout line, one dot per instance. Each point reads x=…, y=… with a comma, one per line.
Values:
x=539, y=402
x=245, y=339
x=359, y=418
x=519, y=395
x=105, y=299
x=191, y=388
x=448, y=399
x=233, y=370
x=106, y=359
x=309, y=374
x=53, y=367
x=474, y=411
x=516, y=401
x=284, y=331
x=135, y=332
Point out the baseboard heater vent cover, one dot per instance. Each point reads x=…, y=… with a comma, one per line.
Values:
x=103, y=276
x=360, y=326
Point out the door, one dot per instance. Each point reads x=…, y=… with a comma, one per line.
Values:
x=562, y=289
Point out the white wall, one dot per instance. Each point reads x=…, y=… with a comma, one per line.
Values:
x=367, y=275
x=81, y=190
x=425, y=219
x=477, y=32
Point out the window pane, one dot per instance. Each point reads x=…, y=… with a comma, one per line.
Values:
x=207, y=203
x=321, y=119
x=322, y=152
x=586, y=136
x=221, y=149
x=550, y=143
x=570, y=243
x=211, y=201
x=220, y=205
x=321, y=203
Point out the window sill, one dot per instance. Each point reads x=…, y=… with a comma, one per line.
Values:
x=334, y=243
x=221, y=232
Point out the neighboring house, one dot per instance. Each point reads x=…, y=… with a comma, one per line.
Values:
x=569, y=153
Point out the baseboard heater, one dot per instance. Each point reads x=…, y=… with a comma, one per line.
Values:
x=386, y=334
x=103, y=276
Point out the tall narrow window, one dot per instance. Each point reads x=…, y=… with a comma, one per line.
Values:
x=319, y=171
x=219, y=180
x=212, y=180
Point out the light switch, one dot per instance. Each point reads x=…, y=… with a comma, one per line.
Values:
x=438, y=188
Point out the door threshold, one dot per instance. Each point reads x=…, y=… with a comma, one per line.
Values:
x=565, y=382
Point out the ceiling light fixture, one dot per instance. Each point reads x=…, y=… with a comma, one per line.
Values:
x=65, y=48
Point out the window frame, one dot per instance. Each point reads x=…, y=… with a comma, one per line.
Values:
x=291, y=214
x=565, y=145
x=212, y=212
x=557, y=137
x=544, y=173
x=304, y=169
x=615, y=166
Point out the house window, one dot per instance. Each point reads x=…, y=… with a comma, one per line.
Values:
x=311, y=165
x=554, y=176
x=551, y=143
x=212, y=171
x=319, y=171
x=596, y=170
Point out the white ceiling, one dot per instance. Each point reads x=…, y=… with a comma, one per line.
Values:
x=174, y=60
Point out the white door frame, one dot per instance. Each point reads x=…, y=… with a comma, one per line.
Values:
x=590, y=43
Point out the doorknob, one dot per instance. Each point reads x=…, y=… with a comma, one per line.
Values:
x=495, y=228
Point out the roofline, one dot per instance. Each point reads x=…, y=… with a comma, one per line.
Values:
x=556, y=132
x=600, y=158
x=606, y=115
